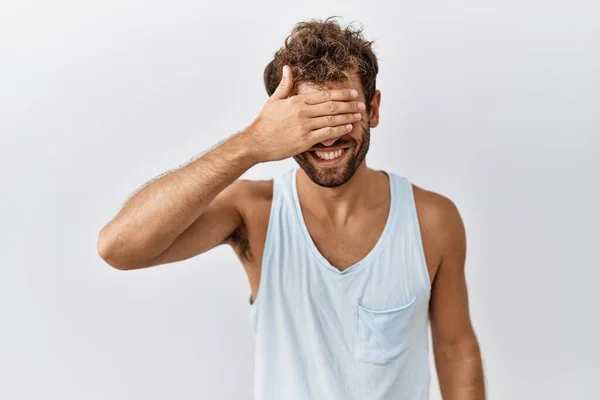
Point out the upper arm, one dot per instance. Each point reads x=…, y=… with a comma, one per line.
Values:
x=220, y=219
x=449, y=305
x=455, y=346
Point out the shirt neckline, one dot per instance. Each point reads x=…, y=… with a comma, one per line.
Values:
x=313, y=247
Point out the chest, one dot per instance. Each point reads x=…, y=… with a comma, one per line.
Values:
x=344, y=246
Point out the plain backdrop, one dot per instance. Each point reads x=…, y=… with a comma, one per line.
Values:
x=494, y=104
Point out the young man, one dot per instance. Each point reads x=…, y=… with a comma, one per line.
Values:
x=347, y=265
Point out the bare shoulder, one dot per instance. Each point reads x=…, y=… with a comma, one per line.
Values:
x=437, y=210
x=244, y=192
x=253, y=200
x=249, y=193
x=442, y=228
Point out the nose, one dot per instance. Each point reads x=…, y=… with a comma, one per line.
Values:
x=329, y=142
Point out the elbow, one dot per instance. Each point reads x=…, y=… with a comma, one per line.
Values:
x=459, y=350
x=107, y=248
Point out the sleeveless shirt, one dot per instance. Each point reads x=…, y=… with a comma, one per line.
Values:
x=357, y=334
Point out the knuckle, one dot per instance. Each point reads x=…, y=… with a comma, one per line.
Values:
x=330, y=120
x=294, y=101
x=308, y=125
x=332, y=107
x=325, y=95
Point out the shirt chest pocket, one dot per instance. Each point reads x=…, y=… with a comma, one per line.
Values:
x=382, y=335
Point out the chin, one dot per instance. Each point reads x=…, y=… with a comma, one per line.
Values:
x=326, y=173
x=330, y=179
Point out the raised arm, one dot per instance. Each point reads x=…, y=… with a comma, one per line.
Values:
x=194, y=208
x=151, y=221
x=456, y=349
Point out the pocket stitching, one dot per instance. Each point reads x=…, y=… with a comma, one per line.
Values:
x=387, y=311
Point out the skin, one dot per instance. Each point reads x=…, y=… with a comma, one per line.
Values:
x=345, y=205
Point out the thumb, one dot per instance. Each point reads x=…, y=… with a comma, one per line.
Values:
x=285, y=85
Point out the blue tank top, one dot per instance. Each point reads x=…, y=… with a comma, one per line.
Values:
x=360, y=334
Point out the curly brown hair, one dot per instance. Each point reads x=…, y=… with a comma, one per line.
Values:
x=322, y=51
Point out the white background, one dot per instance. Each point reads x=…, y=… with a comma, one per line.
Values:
x=494, y=104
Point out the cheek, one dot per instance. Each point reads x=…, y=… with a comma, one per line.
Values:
x=357, y=132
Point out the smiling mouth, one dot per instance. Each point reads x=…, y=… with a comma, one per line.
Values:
x=328, y=156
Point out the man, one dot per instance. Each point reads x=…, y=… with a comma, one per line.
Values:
x=347, y=265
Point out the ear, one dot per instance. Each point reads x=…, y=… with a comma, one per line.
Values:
x=374, y=112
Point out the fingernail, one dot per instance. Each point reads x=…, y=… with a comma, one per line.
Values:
x=361, y=106
x=358, y=115
x=353, y=93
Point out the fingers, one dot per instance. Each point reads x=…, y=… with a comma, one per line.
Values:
x=333, y=108
x=330, y=132
x=322, y=96
x=333, y=120
x=285, y=85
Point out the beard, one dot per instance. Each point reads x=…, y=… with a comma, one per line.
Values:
x=336, y=176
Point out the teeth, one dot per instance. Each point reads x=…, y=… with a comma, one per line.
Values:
x=329, y=155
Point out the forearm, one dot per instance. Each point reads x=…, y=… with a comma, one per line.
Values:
x=151, y=220
x=460, y=371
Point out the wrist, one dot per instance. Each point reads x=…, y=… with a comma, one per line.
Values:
x=245, y=149
x=249, y=146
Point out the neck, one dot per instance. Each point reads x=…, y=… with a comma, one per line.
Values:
x=365, y=189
